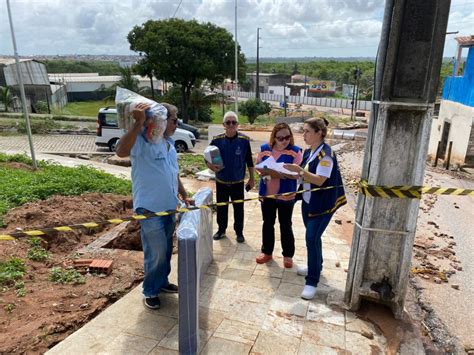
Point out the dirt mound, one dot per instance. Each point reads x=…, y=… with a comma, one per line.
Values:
x=48, y=311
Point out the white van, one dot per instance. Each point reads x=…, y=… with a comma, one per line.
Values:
x=108, y=132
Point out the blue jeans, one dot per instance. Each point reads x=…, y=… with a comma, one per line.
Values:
x=157, y=242
x=315, y=227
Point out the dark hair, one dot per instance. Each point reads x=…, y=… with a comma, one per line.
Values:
x=172, y=109
x=278, y=127
x=318, y=124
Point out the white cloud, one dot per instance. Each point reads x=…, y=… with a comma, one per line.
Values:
x=289, y=27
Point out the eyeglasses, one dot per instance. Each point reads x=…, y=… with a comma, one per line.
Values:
x=231, y=123
x=283, y=138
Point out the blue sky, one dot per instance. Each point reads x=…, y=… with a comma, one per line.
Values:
x=297, y=28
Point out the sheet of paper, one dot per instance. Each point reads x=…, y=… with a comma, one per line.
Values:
x=272, y=164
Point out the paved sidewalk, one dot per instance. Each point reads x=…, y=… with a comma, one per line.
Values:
x=244, y=307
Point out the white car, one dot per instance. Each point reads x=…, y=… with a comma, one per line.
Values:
x=108, y=132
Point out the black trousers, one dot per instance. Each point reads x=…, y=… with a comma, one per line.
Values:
x=270, y=207
x=234, y=192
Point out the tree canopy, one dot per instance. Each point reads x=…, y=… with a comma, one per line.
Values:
x=186, y=53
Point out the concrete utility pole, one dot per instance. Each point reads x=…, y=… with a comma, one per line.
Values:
x=22, y=90
x=407, y=72
x=257, y=77
x=236, y=63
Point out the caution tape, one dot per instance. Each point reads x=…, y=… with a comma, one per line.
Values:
x=409, y=191
x=364, y=188
x=89, y=225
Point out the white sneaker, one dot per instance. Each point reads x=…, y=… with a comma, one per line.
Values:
x=302, y=270
x=308, y=292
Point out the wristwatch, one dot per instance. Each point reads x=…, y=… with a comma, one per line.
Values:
x=301, y=173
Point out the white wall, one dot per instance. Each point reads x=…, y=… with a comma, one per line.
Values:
x=461, y=118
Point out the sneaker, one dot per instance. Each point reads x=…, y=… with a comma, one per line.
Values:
x=240, y=238
x=302, y=270
x=308, y=292
x=263, y=258
x=287, y=262
x=152, y=302
x=218, y=235
x=171, y=288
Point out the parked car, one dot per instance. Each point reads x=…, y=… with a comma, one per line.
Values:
x=108, y=132
x=188, y=127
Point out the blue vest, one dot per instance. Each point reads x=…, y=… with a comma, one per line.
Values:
x=325, y=201
x=287, y=157
x=233, y=152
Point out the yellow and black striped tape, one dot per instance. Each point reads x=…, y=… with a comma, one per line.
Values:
x=409, y=191
x=46, y=231
x=364, y=188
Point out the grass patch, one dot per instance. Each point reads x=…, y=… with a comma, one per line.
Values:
x=20, y=184
x=66, y=276
x=190, y=164
x=86, y=108
x=11, y=270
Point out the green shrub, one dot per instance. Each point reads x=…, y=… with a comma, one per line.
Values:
x=66, y=276
x=253, y=108
x=11, y=270
x=41, y=107
x=39, y=126
x=37, y=254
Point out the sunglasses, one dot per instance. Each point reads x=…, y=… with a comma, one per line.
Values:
x=283, y=138
x=231, y=123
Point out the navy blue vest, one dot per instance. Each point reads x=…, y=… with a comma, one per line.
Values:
x=325, y=201
x=288, y=156
x=233, y=152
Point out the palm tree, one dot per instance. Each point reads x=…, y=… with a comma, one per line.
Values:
x=6, y=98
x=127, y=80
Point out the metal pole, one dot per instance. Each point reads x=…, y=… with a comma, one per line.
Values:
x=284, y=98
x=257, y=79
x=449, y=155
x=236, y=63
x=22, y=90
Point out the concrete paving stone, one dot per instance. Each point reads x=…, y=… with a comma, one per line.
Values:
x=329, y=254
x=130, y=344
x=154, y=328
x=158, y=350
x=336, y=274
x=249, y=265
x=217, y=345
x=208, y=281
x=293, y=278
x=284, y=323
x=171, y=340
x=289, y=290
x=362, y=327
x=312, y=349
x=222, y=258
x=236, y=274
x=275, y=343
x=246, y=255
x=319, y=312
x=169, y=305
x=216, y=268
x=268, y=269
x=237, y=331
x=358, y=344
x=210, y=319
x=324, y=334
x=255, y=294
x=264, y=282
x=248, y=312
x=289, y=305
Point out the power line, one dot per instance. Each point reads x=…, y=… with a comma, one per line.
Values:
x=177, y=8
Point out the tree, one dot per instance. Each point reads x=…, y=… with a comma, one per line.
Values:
x=186, y=53
x=253, y=108
x=127, y=80
x=145, y=68
x=6, y=98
